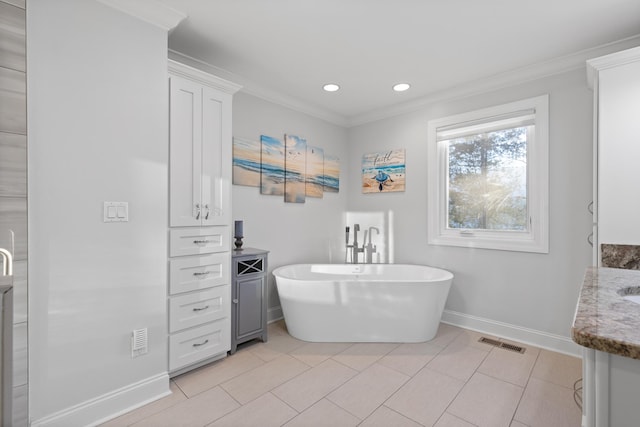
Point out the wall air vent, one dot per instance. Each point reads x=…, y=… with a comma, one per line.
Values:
x=139, y=342
x=500, y=344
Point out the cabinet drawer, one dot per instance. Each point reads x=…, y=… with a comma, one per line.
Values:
x=199, y=343
x=198, y=272
x=197, y=241
x=186, y=311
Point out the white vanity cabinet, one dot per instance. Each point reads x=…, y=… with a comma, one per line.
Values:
x=200, y=162
x=611, y=387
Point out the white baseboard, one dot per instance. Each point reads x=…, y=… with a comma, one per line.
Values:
x=274, y=313
x=533, y=337
x=110, y=405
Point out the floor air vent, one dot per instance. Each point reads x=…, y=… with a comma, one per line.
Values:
x=506, y=346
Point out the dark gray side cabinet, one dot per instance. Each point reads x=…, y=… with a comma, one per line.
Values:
x=248, y=296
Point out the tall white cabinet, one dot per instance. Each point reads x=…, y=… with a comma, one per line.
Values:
x=615, y=80
x=611, y=383
x=200, y=162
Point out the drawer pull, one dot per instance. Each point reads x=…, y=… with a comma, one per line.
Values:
x=200, y=344
x=201, y=308
x=197, y=242
x=204, y=273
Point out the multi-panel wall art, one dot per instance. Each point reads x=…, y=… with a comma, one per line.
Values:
x=272, y=166
x=290, y=168
x=314, y=184
x=246, y=162
x=383, y=171
x=295, y=163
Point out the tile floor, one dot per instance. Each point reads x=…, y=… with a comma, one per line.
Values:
x=451, y=381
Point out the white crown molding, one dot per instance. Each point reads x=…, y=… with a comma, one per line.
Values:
x=510, y=78
x=499, y=81
x=261, y=92
x=296, y=105
x=612, y=60
x=150, y=11
x=182, y=70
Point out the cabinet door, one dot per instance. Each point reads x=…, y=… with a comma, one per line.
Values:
x=618, y=154
x=248, y=300
x=185, y=152
x=216, y=157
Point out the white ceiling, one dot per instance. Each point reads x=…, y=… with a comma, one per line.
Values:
x=292, y=47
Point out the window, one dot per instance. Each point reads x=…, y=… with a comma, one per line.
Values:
x=488, y=178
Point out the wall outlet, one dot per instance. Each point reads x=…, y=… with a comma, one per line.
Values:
x=139, y=342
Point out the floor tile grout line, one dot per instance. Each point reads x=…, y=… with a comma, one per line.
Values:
x=378, y=407
x=220, y=361
x=268, y=391
x=462, y=388
x=378, y=359
x=329, y=357
x=391, y=396
x=294, y=409
x=325, y=395
x=345, y=409
x=399, y=413
x=231, y=396
x=515, y=410
x=524, y=389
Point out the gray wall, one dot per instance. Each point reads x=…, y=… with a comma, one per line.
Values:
x=528, y=291
x=97, y=105
x=293, y=232
x=525, y=290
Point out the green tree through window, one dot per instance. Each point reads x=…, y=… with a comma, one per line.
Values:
x=487, y=180
x=488, y=177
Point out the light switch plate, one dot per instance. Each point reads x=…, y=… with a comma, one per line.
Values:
x=116, y=211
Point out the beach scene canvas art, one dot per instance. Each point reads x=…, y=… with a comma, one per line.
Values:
x=331, y=179
x=246, y=162
x=315, y=172
x=272, y=166
x=383, y=172
x=295, y=164
x=286, y=167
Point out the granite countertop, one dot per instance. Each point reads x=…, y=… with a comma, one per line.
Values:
x=604, y=320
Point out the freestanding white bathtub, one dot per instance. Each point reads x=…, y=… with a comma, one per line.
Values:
x=362, y=302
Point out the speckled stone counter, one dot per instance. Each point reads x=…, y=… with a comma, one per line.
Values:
x=604, y=320
x=620, y=256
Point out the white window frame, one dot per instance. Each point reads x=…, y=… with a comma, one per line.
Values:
x=536, y=237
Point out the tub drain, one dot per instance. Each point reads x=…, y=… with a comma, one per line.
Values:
x=500, y=344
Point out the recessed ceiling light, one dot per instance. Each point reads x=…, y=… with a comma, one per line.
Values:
x=331, y=87
x=401, y=87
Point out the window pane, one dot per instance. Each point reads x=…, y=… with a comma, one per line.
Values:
x=487, y=187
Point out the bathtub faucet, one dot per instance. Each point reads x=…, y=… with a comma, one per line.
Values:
x=370, y=249
x=355, y=250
